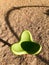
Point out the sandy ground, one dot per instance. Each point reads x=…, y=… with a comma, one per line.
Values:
x=14, y=19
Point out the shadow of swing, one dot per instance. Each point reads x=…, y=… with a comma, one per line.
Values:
x=18, y=8
x=43, y=59
x=38, y=56
x=8, y=23
x=5, y=43
x=47, y=12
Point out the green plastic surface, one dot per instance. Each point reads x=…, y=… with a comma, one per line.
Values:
x=26, y=45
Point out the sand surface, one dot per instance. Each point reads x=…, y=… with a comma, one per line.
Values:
x=19, y=15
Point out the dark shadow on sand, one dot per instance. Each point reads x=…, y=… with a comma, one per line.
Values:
x=5, y=42
x=47, y=12
x=38, y=56
x=10, y=27
x=43, y=59
x=8, y=13
x=8, y=23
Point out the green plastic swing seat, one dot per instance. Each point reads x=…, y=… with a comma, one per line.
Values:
x=26, y=45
